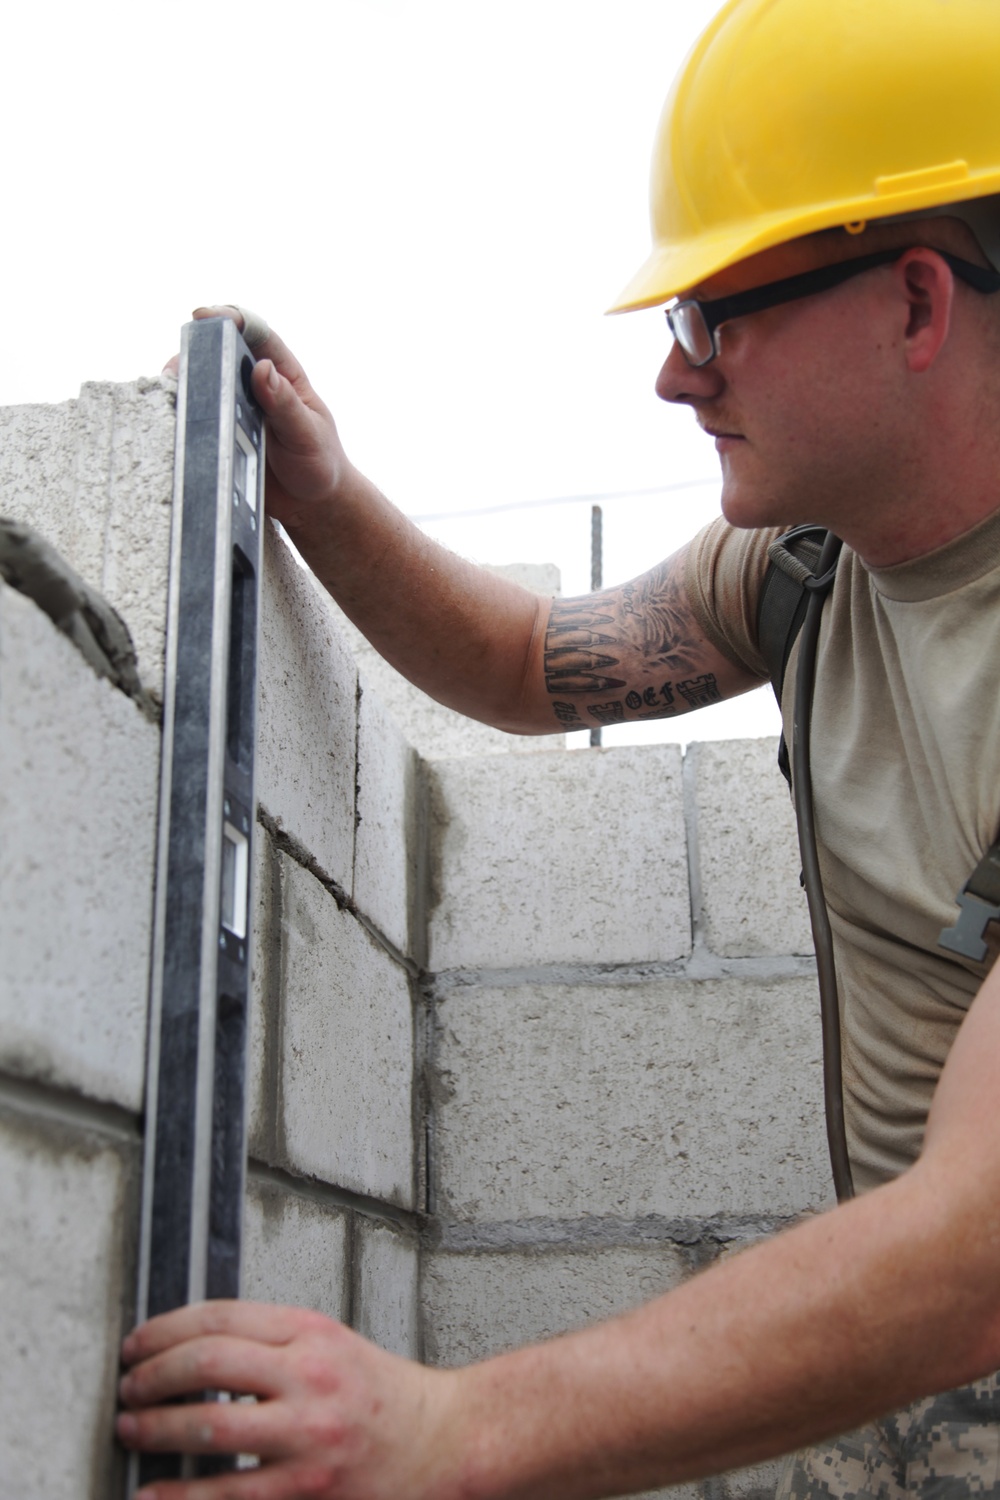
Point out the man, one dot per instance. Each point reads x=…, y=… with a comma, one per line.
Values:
x=800, y=136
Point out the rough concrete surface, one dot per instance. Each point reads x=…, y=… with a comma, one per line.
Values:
x=437, y=732
x=95, y=476
x=559, y=858
x=386, y=1299
x=307, y=719
x=673, y=1097
x=385, y=853
x=482, y=1304
x=346, y=1060
x=62, y=1232
x=294, y=1250
x=752, y=902
x=78, y=794
x=265, y=1006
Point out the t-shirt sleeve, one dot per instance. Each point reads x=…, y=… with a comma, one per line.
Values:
x=724, y=572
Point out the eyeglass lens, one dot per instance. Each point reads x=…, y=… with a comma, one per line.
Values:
x=689, y=328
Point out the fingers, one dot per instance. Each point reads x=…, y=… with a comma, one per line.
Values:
x=208, y=1427
x=206, y=1364
x=272, y=347
x=292, y=421
x=247, y=1320
x=288, y=1482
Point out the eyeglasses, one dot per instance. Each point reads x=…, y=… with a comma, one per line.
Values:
x=695, y=324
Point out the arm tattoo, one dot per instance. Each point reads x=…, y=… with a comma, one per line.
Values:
x=596, y=644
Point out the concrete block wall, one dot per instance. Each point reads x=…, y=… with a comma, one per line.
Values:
x=534, y=1035
x=624, y=1066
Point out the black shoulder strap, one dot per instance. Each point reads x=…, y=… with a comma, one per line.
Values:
x=794, y=558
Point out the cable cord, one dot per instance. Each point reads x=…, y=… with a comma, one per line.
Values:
x=833, y=1086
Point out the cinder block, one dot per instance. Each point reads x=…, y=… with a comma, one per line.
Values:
x=62, y=1210
x=78, y=791
x=95, y=476
x=386, y=1269
x=574, y=858
x=346, y=1064
x=385, y=853
x=675, y=1097
x=307, y=715
x=437, y=732
x=294, y=1250
x=476, y=1305
x=752, y=902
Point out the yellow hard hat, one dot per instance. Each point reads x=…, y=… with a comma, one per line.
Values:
x=796, y=115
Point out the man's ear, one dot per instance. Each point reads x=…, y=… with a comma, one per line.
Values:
x=929, y=287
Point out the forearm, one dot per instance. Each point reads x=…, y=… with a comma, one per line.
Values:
x=833, y=1323
x=461, y=634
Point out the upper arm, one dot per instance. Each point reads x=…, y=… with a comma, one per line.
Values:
x=629, y=653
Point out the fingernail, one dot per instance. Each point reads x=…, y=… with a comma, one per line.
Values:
x=273, y=379
x=128, y=1427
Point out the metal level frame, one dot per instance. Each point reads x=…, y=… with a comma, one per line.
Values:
x=195, y=1160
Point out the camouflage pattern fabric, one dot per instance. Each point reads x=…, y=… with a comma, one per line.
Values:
x=943, y=1447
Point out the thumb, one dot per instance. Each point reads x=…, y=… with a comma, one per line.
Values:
x=290, y=420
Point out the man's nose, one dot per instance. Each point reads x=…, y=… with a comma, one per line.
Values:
x=680, y=382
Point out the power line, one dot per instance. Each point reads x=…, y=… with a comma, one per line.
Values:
x=492, y=510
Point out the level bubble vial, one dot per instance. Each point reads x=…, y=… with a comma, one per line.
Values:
x=235, y=870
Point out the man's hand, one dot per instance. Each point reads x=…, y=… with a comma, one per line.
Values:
x=306, y=462
x=335, y=1416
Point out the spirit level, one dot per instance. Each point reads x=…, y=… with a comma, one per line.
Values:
x=200, y=982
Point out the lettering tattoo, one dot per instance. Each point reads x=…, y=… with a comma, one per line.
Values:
x=595, y=644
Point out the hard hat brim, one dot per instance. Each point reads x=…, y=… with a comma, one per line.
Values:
x=671, y=269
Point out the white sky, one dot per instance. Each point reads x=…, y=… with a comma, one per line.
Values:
x=433, y=202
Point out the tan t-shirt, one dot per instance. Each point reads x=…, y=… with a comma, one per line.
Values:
x=906, y=778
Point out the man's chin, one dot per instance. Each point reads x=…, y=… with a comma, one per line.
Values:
x=747, y=507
